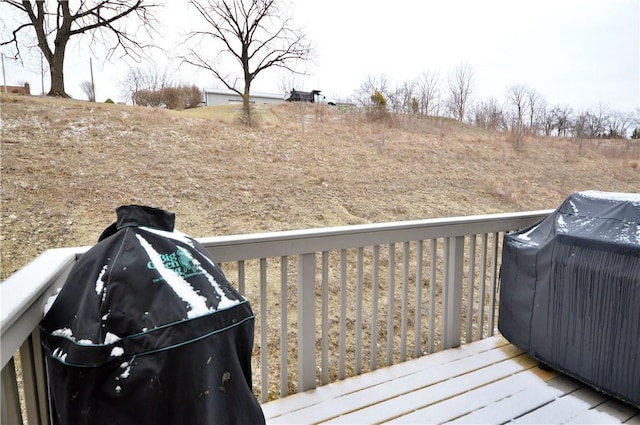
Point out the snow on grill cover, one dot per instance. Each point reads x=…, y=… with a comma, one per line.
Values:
x=570, y=291
x=147, y=330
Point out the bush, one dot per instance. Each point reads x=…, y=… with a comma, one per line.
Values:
x=177, y=97
x=109, y=100
x=173, y=97
x=378, y=111
x=193, y=96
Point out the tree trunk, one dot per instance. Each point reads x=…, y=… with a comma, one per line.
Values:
x=56, y=58
x=56, y=68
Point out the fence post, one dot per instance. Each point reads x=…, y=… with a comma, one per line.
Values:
x=452, y=293
x=306, y=321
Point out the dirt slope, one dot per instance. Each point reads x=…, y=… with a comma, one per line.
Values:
x=66, y=165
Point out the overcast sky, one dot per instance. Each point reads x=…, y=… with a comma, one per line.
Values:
x=578, y=53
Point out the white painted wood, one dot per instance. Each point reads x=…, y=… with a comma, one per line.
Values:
x=439, y=388
x=520, y=403
x=565, y=408
x=274, y=244
x=306, y=321
x=635, y=420
x=327, y=393
x=611, y=411
x=467, y=402
x=24, y=294
x=452, y=292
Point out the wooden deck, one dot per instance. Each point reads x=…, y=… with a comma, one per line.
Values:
x=489, y=381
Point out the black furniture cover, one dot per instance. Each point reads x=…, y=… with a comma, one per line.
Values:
x=147, y=330
x=570, y=291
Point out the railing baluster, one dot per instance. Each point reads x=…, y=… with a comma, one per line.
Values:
x=359, y=287
x=29, y=381
x=391, y=303
x=432, y=295
x=284, y=326
x=405, y=301
x=241, y=277
x=444, y=315
x=264, y=341
x=306, y=321
x=343, y=314
x=417, y=351
x=471, y=282
x=494, y=278
x=325, y=317
x=11, y=413
x=481, y=284
x=41, y=377
x=375, y=282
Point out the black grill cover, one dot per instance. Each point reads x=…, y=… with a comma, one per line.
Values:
x=147, y=330
x=570, y=291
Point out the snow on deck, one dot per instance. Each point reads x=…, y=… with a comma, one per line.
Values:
x=488, y=381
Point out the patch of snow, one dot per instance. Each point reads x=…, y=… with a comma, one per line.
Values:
x=127, y=370
x=613, y=196
x=85, y=342
x=118, y=388
x=117, y=352
x=105, y=316
x=64, y=332
x=175, y=235
x=574, y=207
x=59, y=354
x=225, y=302
x=525, y=236
x=197, y=303
x=110, y=338
x=562, y=225
x=99, y=281
x=50, y=301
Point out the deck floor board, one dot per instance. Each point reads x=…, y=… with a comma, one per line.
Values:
x=488, y=381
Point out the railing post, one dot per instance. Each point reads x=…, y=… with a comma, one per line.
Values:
x=452, y=293
x=306, y=322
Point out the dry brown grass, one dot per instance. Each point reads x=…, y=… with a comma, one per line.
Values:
x=66, y=165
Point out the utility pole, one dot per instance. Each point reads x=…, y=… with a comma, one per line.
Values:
x=4, y=77
x=93, y=86
x=42, y=72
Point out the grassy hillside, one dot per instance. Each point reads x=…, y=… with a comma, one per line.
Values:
x=66, y=165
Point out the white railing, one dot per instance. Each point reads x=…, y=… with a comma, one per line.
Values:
x=329, y=303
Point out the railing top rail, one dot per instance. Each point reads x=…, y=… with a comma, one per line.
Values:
x=24, y=293
x=235, y=247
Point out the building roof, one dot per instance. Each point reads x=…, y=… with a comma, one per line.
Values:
x=252, y=94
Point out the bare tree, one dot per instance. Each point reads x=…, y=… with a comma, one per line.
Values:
x=369, y=87
x=89, y=90
x=618, y=124
x=489, y=114
x=561, y=118
x=55, y=24
x=516, y=97
x=255, y=34
x=138, y=79
x=597, y=121
x=428, y=92
x=534, y=101
x=460, y=86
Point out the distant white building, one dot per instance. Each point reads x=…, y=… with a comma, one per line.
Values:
x=229, y=97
